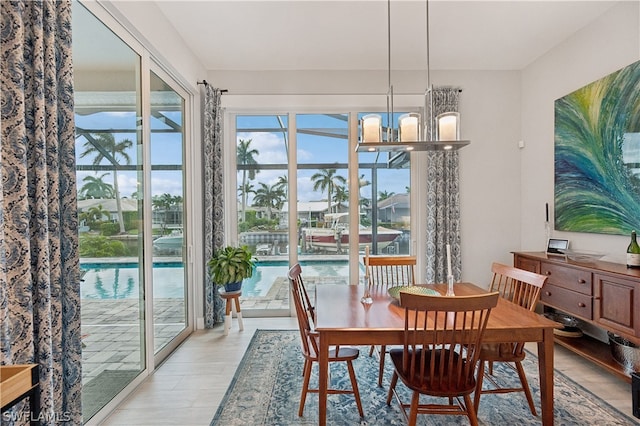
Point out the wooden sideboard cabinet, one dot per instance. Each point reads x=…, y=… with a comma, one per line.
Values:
x=603, y=294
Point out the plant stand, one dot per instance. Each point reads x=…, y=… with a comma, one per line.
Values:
x=232, y=296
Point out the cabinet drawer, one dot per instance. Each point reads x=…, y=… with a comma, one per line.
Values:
x=527, y=264
x=569, y=278
x=568, y=301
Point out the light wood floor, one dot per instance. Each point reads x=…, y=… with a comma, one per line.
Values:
x=188, y=387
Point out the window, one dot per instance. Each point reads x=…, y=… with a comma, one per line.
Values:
x=319, y=145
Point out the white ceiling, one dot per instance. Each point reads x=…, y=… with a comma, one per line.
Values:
x=352, y=35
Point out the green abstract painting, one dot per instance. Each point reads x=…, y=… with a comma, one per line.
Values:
x=597, y=156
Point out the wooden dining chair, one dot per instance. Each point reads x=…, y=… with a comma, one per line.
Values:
x=442, y=338
x=382, y=273
x=522, y=288
x=309, y=338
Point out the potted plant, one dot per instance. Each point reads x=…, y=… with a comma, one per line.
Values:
x=230, y=265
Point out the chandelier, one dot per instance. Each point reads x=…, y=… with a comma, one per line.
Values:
x=438, y=133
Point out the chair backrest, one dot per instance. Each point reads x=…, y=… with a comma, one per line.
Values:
x=450, y=354
x=304, y=312
x=295, y=273
x=517, y=285
x=390, y=271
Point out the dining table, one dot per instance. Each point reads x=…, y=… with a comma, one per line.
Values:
x=342, y=319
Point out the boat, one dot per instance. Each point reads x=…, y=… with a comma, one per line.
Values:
x=169, y=244
x=335, y=236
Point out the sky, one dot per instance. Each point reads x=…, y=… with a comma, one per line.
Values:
x=166, y=149
x=269, y=141
x=311, y=149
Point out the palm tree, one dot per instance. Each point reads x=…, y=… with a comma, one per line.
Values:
x=164, y=203
x=270, y=197
x=93, y=216
x=105, y=147
x=244, y=191
x=341, y=195
x=283, y=183
x=383, y=195
x=327, y=180
x=95, y=188
x=246, y=156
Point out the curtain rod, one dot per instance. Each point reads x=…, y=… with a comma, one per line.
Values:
x=313, y=94
x=206, y=84
x=325, y=93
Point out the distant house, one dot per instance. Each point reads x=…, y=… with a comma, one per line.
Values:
x=310, y=212
x=395, y=209
x=109, y=205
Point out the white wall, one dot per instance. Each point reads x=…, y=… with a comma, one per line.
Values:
x=146, y=22
x=610, y=43
x=489, y=169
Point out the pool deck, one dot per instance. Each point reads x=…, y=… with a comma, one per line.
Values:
x=111, y=330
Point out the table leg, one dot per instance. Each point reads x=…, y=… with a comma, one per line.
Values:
x=227, y=317
x=323, y=374
x=545, y=369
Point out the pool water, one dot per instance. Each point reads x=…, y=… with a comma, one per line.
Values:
x=120, y=280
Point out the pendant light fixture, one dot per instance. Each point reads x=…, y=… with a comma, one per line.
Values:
x=435, y=134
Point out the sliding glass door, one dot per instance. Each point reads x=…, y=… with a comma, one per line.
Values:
x=110, y=210
x=322, y=214
x=167, y=201
x=130, y=145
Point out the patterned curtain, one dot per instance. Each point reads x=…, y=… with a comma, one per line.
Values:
x=443, y=199
x=213, y=200
x=39, y=264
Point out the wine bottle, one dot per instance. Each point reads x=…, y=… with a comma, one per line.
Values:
x=633, y=252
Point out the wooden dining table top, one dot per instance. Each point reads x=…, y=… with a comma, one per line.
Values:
x=341, y=318
x=338, y=308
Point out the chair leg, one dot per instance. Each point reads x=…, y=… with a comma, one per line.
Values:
x=305, y=385
x=471, y=410
x=392, y=386
x=525, y=387
x=413, y=413
x=478, y=391
x=239, y=314
x=227, y=324
x=371, y=349
x=383, y=352
x=354, y=386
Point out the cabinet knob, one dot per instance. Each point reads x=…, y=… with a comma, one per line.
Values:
x=547, y=293
x=581, y=281
x=548, y=272
x=582, y=305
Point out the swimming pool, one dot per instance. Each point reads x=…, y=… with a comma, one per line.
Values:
x=120, y=280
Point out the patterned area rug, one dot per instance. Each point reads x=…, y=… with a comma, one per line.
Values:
x=266, y=391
